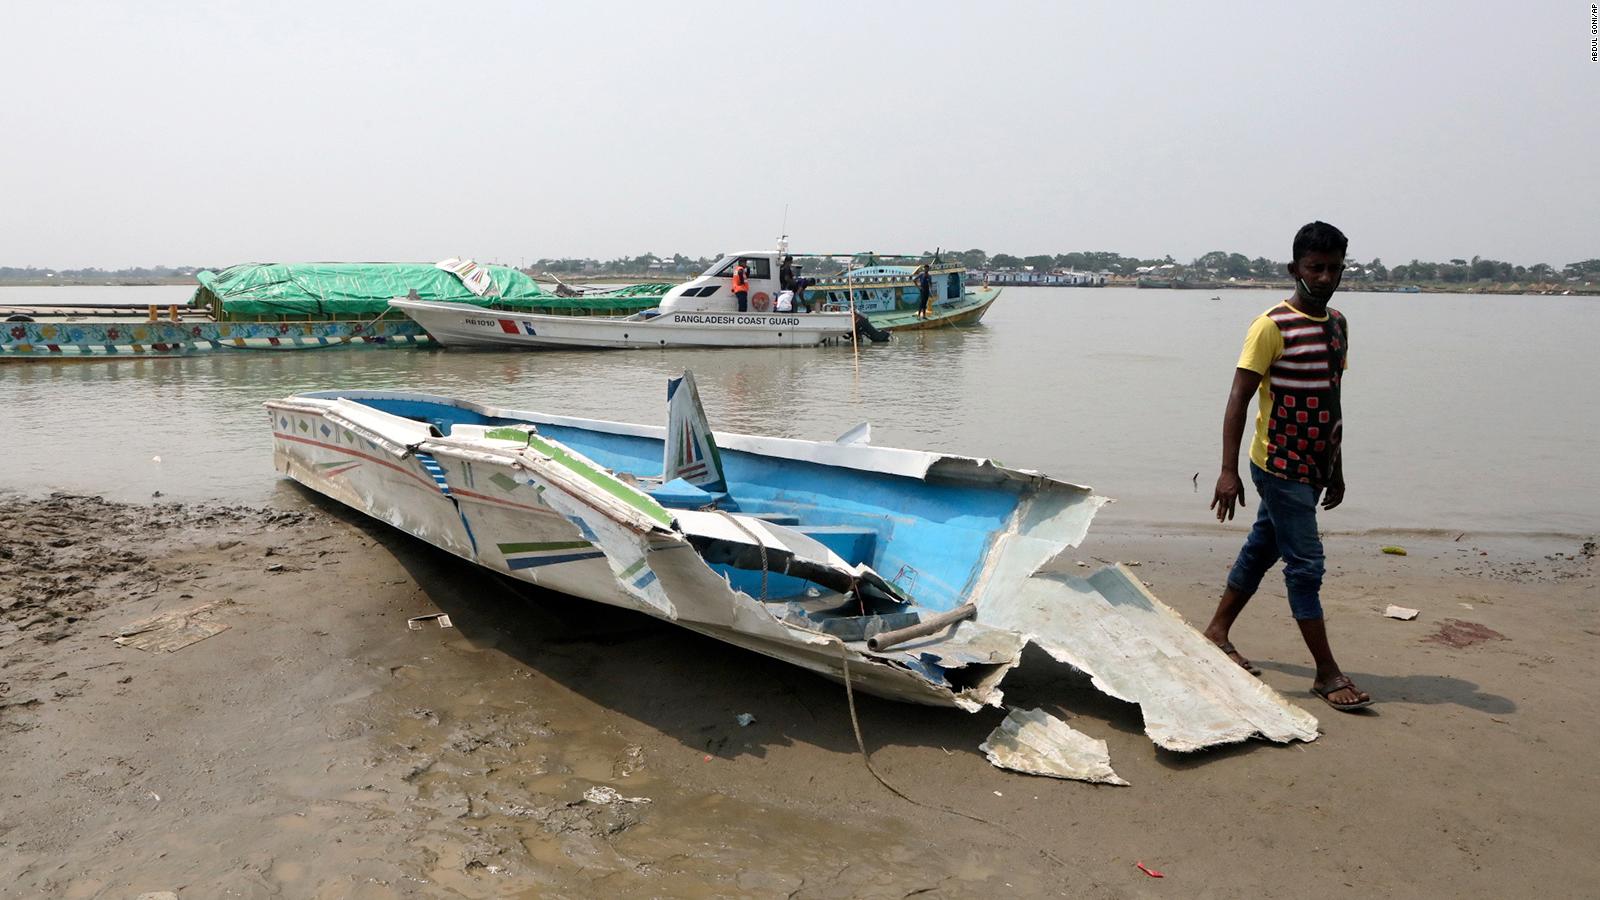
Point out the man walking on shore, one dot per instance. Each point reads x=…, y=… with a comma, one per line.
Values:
x=1294, y=360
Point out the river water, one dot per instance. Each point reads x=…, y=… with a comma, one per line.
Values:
x=1461, y=412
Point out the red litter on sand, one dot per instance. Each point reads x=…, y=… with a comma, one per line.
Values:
x=1149, y=871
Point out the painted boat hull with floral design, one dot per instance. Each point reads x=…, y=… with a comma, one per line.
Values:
x=85, y=338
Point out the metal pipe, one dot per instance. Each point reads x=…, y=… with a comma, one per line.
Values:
x=886, y=639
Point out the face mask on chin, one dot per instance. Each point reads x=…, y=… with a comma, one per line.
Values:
x=1319, y=296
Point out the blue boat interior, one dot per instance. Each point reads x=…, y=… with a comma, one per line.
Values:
x=928, y=539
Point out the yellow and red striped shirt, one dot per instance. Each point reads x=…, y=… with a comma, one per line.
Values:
x=1301, y=360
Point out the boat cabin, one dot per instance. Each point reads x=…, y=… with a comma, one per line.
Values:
x=875, y=287
x=712, y=290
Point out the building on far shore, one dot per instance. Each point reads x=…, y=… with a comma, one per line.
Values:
x=1028, y=276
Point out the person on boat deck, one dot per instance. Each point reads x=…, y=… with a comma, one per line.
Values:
x=924, y=289
x=786, y=274
x=741, y=285
x=789, y=280
x=800, y=283
x=1294, y=361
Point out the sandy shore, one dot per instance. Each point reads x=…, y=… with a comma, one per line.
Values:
x=318, y=747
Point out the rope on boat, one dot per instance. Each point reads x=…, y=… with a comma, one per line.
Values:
x=752, y=536
x=855, y=722
x=855, y=725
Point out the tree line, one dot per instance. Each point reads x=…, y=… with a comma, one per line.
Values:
x=31, y=273
x=1222, y=264
x=1216, y=264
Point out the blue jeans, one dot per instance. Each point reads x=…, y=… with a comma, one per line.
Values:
x=1286, y=528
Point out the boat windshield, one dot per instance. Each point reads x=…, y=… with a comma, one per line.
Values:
x=760, y=267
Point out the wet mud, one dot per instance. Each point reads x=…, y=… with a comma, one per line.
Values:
x=546, y=746
x=320, y=747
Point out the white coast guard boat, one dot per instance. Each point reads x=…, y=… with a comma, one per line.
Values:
x=700, y=313
x=781, y=546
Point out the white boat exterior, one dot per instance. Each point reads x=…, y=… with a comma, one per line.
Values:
x=527, y=495
x=465, y=325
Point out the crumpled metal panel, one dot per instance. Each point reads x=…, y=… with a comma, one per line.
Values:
x=1138, y=649
x=1037, y=743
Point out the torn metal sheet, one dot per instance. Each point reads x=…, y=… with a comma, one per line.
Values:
x=1037, y=743
x=1138, y=649
x=745, y=541
x=174, y=630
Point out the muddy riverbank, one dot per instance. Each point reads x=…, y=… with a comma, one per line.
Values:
x=318, y=746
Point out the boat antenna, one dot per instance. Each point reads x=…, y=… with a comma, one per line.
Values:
x=783, y=236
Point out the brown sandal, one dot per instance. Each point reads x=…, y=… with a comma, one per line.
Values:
x=1233, y=654
x=1339, y=683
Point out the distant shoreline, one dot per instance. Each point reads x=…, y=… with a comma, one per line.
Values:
x=1425, y=287
x=1588, y=290
x=187, y=280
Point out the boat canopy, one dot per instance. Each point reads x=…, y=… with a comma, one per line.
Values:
x=343, y=289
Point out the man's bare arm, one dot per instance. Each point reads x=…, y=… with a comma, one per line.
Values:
x=1230, y=489
x=1334, y=495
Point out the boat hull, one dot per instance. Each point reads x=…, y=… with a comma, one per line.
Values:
x=542, y=499
x=491, y=515
x=460, y=325
x=968, y=311
x=98, y=339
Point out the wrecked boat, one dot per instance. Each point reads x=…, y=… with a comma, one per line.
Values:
x=918, y=576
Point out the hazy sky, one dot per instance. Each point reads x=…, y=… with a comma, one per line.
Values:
x=140, y=133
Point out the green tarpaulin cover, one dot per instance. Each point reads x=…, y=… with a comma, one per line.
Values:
x=328, y=290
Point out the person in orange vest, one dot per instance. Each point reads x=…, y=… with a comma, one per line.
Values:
x=741, y=284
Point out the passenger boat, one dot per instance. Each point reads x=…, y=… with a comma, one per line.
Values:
x=890, y=299
x=881, y=287
x=703, y=312
x=914, y=575
x=682, y=320
x=293, y=307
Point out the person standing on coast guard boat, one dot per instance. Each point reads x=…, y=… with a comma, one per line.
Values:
x=784, y=301
x=801, y=304
x=741, y=284
x=1294, y=359
x=786, y=274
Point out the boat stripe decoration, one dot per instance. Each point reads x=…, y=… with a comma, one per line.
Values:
x=583, y=528
x=603, y=480
x=543, y=545
x=436, y=471
x=529, y=555
x=432, y=467
x=337, y=467
x=691, y=448
x=632, y=576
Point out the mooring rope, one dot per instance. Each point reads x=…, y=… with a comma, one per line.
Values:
x=752, y=536
x=855, y=724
